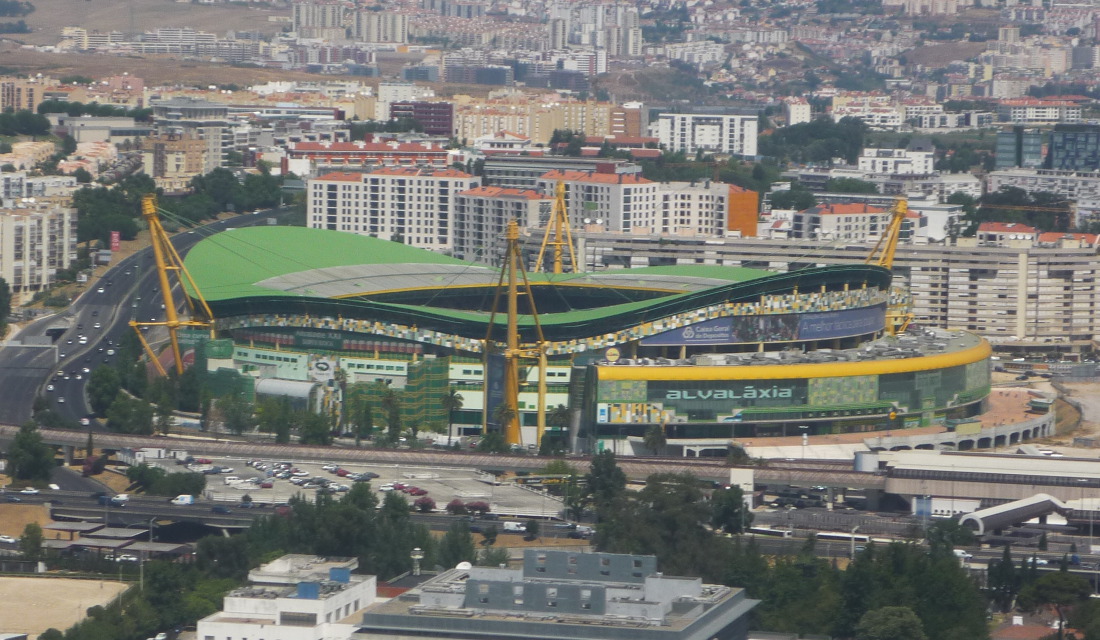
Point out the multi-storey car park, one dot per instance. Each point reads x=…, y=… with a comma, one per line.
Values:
x=707, y=353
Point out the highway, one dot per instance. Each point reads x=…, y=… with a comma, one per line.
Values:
x=129, y=290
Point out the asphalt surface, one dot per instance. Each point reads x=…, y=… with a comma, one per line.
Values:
x=128, y=291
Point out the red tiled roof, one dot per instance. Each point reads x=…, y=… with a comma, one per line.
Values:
x=844, y=208
x=424, y=173
x=363, y=146
x=341, y=176
x=1005, y=227
x=1055, y=236
x=496, y=192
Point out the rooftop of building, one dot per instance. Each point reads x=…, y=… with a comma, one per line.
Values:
x=361, y=145
x=1006, y=227
x=844, y=209
x=595, y=177
x=504, y=192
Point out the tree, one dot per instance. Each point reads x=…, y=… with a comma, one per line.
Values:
x=850, y=185
x=391, y=404
x=890, y=623
x=456, y=546
x=313, y=428
x=493, y=557
x=1060, y=589
x=82, y=176
x=728, y=510
x=492, y=442
x=503, y=415
x=130, y=415
x=655, y=438
x=456, y=507
x=451, y=402
x=236, y=413
x=30, y=543
x=103, y=386
x=605, y=480
x=489, y=535
x=29, y=456
x=532, y=529
x=424, y=504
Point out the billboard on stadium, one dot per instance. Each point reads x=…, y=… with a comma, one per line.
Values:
x=783, y=327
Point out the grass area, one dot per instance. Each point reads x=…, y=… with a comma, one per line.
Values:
x=1068, y=418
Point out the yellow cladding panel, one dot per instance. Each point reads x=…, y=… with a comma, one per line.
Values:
x=790, y=371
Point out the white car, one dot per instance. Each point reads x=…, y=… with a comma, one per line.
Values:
x=84, y=422
x=8, y=540
x=49, y=387
x=61, y=400
x=30, y=491
x=99, y=290
x=97, y=326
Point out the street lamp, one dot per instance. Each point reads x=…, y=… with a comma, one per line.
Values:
x=417, y=555
x=852, y=540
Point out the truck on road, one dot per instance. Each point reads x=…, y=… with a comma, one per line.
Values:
x=181, y=500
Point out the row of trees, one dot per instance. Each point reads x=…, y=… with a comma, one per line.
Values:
x=75, y=109
x=23, y=123
x=156, y=481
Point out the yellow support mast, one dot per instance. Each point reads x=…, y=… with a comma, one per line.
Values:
x=898, y=317
x=513, y=351
x=558, y=234
x=168, y=260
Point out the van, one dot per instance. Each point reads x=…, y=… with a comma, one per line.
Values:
x=232, y=479
x=515, y=527
x=962, y=554
x=182, y=500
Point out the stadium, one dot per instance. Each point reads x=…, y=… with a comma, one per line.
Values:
x=710, y=354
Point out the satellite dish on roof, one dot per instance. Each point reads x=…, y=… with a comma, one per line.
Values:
x=464, y=566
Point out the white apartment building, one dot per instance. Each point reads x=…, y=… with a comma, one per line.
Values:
x=36, y=239
x=296, y=597
x=481, y=215
x=414, y=205
x=380, y=26
x=693, y=208
x=390, y=92
x=797, y=111
x=614, y=201
x=692, y=132
x=919, y=160
x=1036, y=111
x=841, y=222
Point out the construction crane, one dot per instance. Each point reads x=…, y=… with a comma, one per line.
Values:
x=558, y=234
x=898, y=316
x=513, y=351
x=168, y=260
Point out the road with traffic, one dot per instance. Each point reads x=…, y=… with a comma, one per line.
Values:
x=128, y=291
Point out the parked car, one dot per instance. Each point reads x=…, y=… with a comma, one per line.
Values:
x=221, y=509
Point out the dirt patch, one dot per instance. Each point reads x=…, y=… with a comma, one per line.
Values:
x=15, y=517
x=49, y=18
x=154, y=70
x=32, y=605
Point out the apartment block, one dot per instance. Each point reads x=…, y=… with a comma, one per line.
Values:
x=412, y=205
x=196, y=118
x=524, y=172
x=482, y=214
x=1019, y=147
x=841, y=222
x=172, y=160
x=918, y=158
x=434, y=118
x=1082, y=187
x=24, y=94
x=1037, y=111
x=36, y=239
x=380, y=27
x=305, y=158
x=796, y=111
x=691, y=132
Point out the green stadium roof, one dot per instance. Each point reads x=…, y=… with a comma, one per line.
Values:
x=281, y=270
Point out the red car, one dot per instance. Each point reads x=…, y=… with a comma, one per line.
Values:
x=342, y=472
x=400, y=486
x=266, y=485
x=417, y=491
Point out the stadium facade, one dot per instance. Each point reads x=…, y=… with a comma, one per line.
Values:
x=708, y=353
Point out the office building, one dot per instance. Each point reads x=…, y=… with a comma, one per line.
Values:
x=692, y=132
x=1074, y=147
x=434, y=118
x=36, y=240
x=296, y=597
x=566, y=595
x=410, y=204
x=172, y=160
x=1019, y=147
x=24, y=94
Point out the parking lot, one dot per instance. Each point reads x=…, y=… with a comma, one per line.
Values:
x=237, y=478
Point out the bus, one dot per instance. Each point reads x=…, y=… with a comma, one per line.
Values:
x=769, y=532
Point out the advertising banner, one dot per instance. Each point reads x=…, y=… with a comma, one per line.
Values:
x=116, y=239
x=494, y=384
x=774, y=328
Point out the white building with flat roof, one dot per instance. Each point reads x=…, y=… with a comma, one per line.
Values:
x=36, y=240
x=710, y=133
x=296, y=597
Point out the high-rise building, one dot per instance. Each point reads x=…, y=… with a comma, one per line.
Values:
x=172, y=160
x=380, y=26
x=1019, y=147
x=36, y=240
x=1074, y=147
x=313, y=15
x=24, y=94
x=559, y=33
